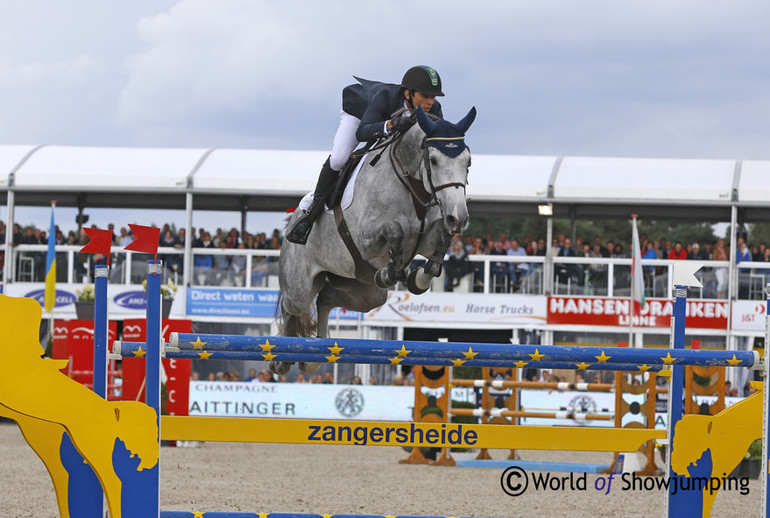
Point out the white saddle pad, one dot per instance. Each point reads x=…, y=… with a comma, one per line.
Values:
x=347, y=196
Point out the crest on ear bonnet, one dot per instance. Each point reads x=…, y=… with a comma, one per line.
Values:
x=443, y=135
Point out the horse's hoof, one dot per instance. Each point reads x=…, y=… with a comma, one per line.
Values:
x=380, y=279
x=308, y=367
x=433, y=269
x=411, y=283
x=388, y=277
x=280, y=368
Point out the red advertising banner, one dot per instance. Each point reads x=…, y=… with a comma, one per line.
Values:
x=73, y=340
x=603, y=311
x=177, y=372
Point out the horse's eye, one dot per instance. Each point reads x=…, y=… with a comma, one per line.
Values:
x=433, y=161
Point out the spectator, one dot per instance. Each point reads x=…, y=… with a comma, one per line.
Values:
x=697, y=254
x=499, y=270
x=456, y=266
x=356, y=381
x=568, y=271
x=742, y=253
x=517, y=270
x=238, y=266
x=203, y=263
x=721, y=254
x=678, y=252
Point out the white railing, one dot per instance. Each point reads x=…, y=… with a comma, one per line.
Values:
x=533, y=275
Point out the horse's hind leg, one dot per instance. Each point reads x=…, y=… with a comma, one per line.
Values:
x=391, y=234
x=322, y=319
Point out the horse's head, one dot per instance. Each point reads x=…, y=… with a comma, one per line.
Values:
x=446, y=161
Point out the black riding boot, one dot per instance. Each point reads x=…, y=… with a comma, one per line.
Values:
x=301, y=229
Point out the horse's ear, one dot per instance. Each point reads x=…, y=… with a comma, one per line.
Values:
x=425, y=123
x=464, y=124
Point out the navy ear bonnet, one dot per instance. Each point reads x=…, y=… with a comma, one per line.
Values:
x=443, y=135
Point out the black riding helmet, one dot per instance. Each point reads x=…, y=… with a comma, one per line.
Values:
x=424, y=80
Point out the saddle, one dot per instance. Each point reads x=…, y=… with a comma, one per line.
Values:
x=334, y=197
x=364, y=271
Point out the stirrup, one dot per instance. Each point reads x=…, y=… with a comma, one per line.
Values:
x=297, y=234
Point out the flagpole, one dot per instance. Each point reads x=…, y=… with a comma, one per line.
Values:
x=52, y=235
x=633, y=273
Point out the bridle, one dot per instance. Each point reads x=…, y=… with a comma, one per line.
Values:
x=422, y=199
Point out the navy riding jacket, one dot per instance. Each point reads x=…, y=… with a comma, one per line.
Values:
x=375, y=103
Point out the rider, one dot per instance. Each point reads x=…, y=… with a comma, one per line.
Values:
x=370, y=110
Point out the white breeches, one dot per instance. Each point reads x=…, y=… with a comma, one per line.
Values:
x=345, y=141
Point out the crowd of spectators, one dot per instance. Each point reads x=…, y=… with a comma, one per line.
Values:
x=507, y=277
x=217, y=269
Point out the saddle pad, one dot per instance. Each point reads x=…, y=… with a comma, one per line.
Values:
x=347, y=195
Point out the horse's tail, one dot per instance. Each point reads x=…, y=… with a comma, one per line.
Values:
x=296, y=325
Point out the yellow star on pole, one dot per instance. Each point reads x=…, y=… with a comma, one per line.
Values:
x=205, y=355
x=335, y=350
x=582, y=366
x=388, y=516
x=332, y=358
x=643, y=368
x=327, y=515
x=735, y=361
x=262, y=515
x=520, y=364
x=267, y=347
x=197, y=344
x=396, y=360
x=198, y=514
x=668, y=360
x=458, y=362
x=403, y=352
x=603, y=358
x=537, y=356
x=269, y=356
x=139, y=353
x=469, y=354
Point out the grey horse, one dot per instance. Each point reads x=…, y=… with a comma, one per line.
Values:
x=425, y=171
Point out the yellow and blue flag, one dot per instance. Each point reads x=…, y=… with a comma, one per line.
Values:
x=50, y=268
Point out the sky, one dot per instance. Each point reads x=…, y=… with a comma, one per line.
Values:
x=652, y=78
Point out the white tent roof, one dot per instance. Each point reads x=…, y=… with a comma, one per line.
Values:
x=10, y=158
x=754, y=184
x=106, y=168
x=258, y=171
x=232, y=179
x=651, y=180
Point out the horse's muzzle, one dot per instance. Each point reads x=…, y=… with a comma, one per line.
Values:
x=455, y=223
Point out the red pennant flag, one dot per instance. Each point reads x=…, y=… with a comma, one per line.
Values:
x=147, y=239
x=101, y=241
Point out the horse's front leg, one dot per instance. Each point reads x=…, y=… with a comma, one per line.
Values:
x=420, y=279
x=390, y=236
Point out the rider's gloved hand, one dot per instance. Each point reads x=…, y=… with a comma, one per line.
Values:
x=402, y=124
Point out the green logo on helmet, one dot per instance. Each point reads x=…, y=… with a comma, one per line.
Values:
x=433, y=76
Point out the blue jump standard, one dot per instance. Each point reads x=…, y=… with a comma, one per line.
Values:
x=534, y=465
